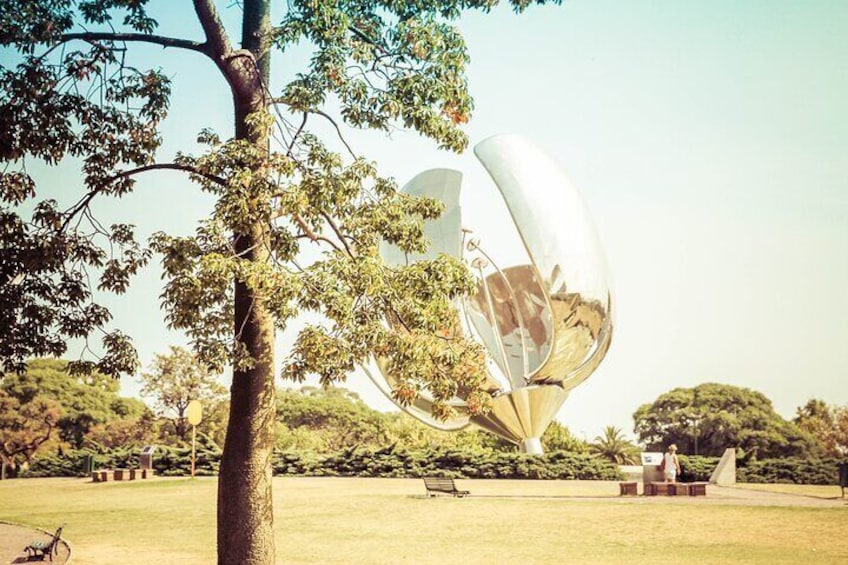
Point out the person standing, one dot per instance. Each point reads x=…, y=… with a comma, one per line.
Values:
x=670, y=464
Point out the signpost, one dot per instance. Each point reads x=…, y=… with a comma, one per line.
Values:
x=194, y=412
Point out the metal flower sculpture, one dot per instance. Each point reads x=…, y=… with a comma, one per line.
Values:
x=546, y=324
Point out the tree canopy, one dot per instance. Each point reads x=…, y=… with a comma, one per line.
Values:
x=828, y=424
x=85, y=400
x=24, y=428
x=708, y=418
x=614, y=447
x=174, y=380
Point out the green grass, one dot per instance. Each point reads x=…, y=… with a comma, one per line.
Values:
x=375, y=521
x=815, y=491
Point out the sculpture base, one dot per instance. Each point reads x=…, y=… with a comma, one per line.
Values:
x=531, y=446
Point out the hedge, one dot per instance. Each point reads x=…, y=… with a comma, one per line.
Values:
x=387, y=462
x=397, y=462
x=167, y=461
x=392, y=462
x=697, y=468
x=812, y=471
x=790, y=470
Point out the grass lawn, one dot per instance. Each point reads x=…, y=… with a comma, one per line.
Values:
x=816, y=491
x=389, y=521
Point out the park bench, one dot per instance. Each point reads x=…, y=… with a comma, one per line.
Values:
x=443, y=485
x=40, y=549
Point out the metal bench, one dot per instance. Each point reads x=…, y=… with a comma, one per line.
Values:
x=443, y=485
x=40, y=549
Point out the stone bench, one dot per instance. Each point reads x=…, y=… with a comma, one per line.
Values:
x=627, y=489
x=103, y=476
x=675, y=489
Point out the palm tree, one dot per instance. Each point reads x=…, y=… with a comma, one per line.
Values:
x=615, y=447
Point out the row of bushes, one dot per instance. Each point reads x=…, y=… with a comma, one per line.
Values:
x=697, y=468
x=791, y=470
x=785, y=470
x=387, y=462
x=167, y=461
x=392, y=462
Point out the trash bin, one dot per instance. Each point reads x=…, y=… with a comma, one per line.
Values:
x=88, y=464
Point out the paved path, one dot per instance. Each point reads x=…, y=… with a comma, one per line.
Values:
x=737, y=495
x=13, y=539
x=753, y=497
x=741, y=496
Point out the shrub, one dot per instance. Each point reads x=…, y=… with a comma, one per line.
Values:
x=385, y=462
x=391, y=462
x=790, y=470
x=697, y=468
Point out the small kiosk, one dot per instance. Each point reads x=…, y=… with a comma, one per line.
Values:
x=145, y=461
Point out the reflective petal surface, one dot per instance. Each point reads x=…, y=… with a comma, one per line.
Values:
x=547, y=323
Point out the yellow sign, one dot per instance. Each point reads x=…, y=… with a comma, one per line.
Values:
x=194, y=412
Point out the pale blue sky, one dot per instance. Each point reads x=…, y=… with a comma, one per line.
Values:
x=709, y=140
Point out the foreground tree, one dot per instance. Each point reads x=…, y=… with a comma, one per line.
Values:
x=710, y=417
x=174, y=380
x=75, y=94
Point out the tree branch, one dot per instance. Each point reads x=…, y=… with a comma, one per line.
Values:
x=139, y=37
x=296, y=135
x=363, y=37
x=308, y=232
x=213, y=28
x=166, y=166
x=83, y=203
x=338, y=233
x=338, y=130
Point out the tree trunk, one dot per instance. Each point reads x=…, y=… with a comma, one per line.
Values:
x=245, y=504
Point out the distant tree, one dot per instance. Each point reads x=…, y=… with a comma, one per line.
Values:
x=710, y=417
x=174, y=380
x=24, y=428
x=828, y=424
x=412, y=434
x=86, y=400
x=335, y=417
x=325, y=420
x=559, y=438
x=130, y=432
x=614, y=447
